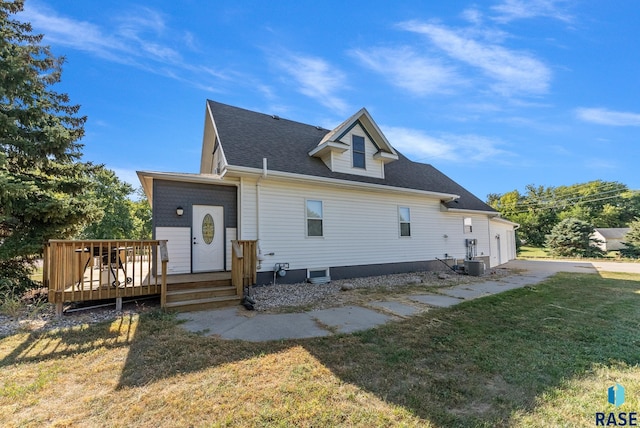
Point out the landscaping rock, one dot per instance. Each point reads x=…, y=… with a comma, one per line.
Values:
x=348, y=286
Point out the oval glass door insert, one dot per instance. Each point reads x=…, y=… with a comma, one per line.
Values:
x=208, y=229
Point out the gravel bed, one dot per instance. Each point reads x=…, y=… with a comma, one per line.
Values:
x=41, y=318
x=348, y=291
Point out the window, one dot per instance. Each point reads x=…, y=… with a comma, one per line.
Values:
x=357, y=148
x=318, y=273
x=314, y=218
x=468, y=227
x=404, y=216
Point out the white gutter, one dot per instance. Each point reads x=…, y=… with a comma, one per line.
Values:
x=460, y=210
x=241, y=170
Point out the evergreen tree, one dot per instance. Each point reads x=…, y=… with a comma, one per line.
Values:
x=572, y=237
x=632, y=241
x=43, y=183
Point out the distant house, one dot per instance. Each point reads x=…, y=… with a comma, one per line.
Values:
x=611, y=238
x=321, y=203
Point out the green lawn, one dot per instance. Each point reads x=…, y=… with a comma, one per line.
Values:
x=539, y=356
x=532, y=253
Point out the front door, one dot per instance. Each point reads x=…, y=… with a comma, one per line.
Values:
x=207, y=242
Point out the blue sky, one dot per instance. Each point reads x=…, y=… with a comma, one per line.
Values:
x=496, y=94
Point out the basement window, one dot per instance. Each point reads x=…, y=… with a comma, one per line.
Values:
x=317, y=273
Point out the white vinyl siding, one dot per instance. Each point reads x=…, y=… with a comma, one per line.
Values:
x=360, y=227
x=178, y=247
x=503, y=243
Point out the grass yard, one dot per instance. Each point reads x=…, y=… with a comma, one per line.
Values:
x=539, y=356
x=532, y=253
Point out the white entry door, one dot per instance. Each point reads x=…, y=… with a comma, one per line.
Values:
x=207, y=243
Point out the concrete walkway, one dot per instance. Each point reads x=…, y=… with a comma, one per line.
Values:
x=238, y=323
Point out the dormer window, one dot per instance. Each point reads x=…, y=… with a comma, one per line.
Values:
x=357, y=149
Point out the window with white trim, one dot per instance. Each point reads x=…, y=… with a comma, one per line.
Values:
x=357, y=149
x=404, y=218
x=314, y=218
x=318, y=273
x=467, y=224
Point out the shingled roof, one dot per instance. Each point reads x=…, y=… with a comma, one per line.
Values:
x=247, y=137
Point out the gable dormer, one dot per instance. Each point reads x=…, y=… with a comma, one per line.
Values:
x=356, y=146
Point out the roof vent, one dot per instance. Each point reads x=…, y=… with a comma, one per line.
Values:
x=276, y=117
x=319, y=128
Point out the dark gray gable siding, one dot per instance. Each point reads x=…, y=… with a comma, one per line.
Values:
x=247, y=137
x=173, y=194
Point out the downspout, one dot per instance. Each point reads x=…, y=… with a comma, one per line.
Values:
x=262, y=176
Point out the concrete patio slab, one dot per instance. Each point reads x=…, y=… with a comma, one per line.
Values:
x=435, y=300
x=230, y=324
x=212, y=322
x=397, y=308
x=350, y=318
x=465, y=292
x=275, y=327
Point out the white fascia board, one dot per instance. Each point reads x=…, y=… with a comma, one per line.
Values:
x=147, y=177
x=385, y=157
x=239, y=171
x=460, y=210
x=505, y=221
x=147, y=185
x=334, y=146
x=216, y=139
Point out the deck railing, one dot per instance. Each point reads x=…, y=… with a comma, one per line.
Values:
x=84, y=270
x=244, y=262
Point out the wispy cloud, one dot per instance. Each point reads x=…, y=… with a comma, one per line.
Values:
x=140, y=38
x=513, y=72
x=603, y=116
x=510, y=10
x=459, y=148
x=128, y=42
x=315, y=78
x=407, y=69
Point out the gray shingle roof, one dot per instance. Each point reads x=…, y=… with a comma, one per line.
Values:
x=613, y=232
x=247, y=137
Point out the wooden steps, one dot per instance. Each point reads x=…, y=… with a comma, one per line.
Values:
x=197, y=294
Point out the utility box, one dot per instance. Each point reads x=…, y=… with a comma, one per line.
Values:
x=474, y=267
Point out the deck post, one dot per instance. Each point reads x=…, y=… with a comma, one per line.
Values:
x=164, y=259
x=119, y=304
x=58, y=309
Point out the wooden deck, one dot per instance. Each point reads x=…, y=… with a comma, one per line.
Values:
x=76, y=271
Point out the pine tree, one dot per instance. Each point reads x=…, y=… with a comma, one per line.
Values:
x=632, y=241
x=572, y=237
x=43, y=183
